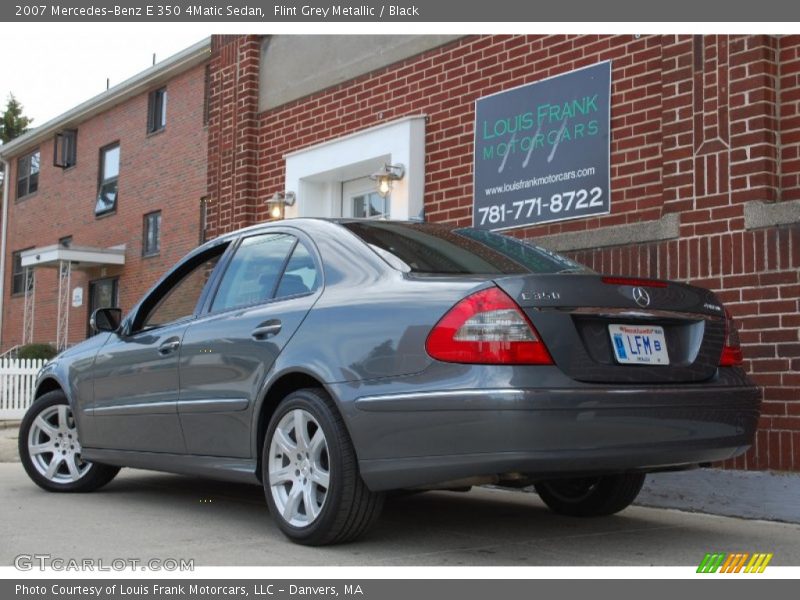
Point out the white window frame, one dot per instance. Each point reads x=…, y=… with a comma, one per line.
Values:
x=316, y=173
x=361, y=187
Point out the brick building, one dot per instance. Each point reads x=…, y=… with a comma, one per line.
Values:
x=101, y=200
x=704, y=165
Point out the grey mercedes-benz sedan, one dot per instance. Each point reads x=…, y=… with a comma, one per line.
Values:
x=332, y=361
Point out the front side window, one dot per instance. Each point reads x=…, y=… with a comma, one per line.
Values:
x=157, y=110
x=151, y=237
x=18, y=276
x=253, y=273
x=207, y=95
x=27, y=174
x=65, y=149
x=109, y=180
x=203, y=218
x=177, y=297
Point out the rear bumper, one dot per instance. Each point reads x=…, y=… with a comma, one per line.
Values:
x=420, y=438
x=391, y=474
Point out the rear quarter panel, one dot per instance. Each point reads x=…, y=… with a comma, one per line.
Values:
x=371, y=320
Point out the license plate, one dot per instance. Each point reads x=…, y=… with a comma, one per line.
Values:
x=639, y=344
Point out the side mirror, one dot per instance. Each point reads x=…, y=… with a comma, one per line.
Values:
x=106, y=319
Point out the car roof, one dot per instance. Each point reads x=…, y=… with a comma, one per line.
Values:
x=309, y=224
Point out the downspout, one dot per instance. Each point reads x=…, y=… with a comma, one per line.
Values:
x=3, y=239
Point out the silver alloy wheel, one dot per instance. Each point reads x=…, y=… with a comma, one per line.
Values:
x=54, y=447
x=299, y=468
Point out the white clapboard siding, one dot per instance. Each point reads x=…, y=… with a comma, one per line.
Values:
x=17, y=378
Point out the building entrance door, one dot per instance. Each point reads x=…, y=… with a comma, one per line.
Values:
x=361, y=201
x=103, y=293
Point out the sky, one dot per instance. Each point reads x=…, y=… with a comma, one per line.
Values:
x=69, y=62
x=52, y=67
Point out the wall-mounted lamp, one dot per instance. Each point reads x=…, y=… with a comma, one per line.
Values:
x=278, y=203
x=386, y=175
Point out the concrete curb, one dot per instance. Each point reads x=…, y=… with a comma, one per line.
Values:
x=764, y=495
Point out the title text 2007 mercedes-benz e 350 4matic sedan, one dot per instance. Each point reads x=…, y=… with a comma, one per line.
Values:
x=335, y=360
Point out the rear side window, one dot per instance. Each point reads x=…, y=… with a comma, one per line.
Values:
x=300, y=276
x=253, y=273
x=435, y=249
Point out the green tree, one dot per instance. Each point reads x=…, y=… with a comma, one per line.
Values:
x=14, y=123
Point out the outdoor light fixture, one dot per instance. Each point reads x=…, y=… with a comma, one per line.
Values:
x=385, y=176
x=278, y=203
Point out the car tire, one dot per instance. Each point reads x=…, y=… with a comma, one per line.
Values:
x=313, y=487
x=49, y=448
x=590, y=496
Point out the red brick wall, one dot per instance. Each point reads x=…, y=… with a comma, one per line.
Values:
x=698, y=128
x=444, y=84
x=164, y=171
x=789, y=78
x=734, y=150
x=232, y=131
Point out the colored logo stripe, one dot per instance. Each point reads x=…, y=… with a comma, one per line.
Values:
x=711, y=563
x=734, y=562
x=758, y=563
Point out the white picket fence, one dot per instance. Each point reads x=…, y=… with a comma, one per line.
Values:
x=17, y=378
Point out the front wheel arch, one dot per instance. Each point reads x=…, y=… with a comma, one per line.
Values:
x=47, y=385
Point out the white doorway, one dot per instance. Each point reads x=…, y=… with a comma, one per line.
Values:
x=330, y=179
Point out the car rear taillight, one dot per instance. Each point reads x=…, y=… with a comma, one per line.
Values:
x=731, y=352
x=487, y=327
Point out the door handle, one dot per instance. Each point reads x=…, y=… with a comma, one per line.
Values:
x=266, y=329
x=169, y=347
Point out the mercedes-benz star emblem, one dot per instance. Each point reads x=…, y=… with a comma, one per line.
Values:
x=641, y=297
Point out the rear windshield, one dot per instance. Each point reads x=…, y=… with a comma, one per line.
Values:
x=437, y=249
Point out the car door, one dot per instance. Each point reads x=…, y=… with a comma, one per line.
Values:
x=136, y=371
x=269, y=285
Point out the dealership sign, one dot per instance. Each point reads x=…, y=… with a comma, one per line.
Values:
x=542, y=150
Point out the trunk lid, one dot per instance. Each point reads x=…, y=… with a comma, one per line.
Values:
x=573, y=312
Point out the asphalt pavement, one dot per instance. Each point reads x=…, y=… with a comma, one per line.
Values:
x=146, y=515
x=9, y=432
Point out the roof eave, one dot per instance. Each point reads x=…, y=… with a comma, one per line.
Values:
x=175, y=64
